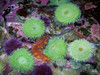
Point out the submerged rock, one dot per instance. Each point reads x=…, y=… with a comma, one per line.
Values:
x=97, y=58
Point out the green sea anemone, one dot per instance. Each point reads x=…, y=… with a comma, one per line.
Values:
x=61, y=63
x=56, y=49
x=80, y=50
x=34, y=28
x=75, y=65
x=67, y=13
x=21, y=60
x=58, y=2
x=1, y=66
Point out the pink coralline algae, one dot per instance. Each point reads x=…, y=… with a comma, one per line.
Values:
x=1, y=19
x=7, y=69
x=89, y=6
x=89, y=31
x=67, y=64
x=4, y=4
x=91, y=60
x=11, y=16
x=95, y=30
x=28, y=45
x=68, y=55
x=38, y=62
x=18, y=29
x=67, y=28
x=35, y=14
x=98, y=74
x=43, y=2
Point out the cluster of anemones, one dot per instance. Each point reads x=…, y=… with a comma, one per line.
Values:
x=21, y=60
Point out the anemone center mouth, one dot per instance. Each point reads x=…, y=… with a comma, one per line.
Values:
x=53, y=47
x=59, y=0
x=80, y=49
x=22, y=60
x=34, y=27
x=66, y=12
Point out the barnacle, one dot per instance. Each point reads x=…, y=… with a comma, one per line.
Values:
x=67, y=13
x=80, y=50
x=55, y=49
x=21, y=60
x=34, y=28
